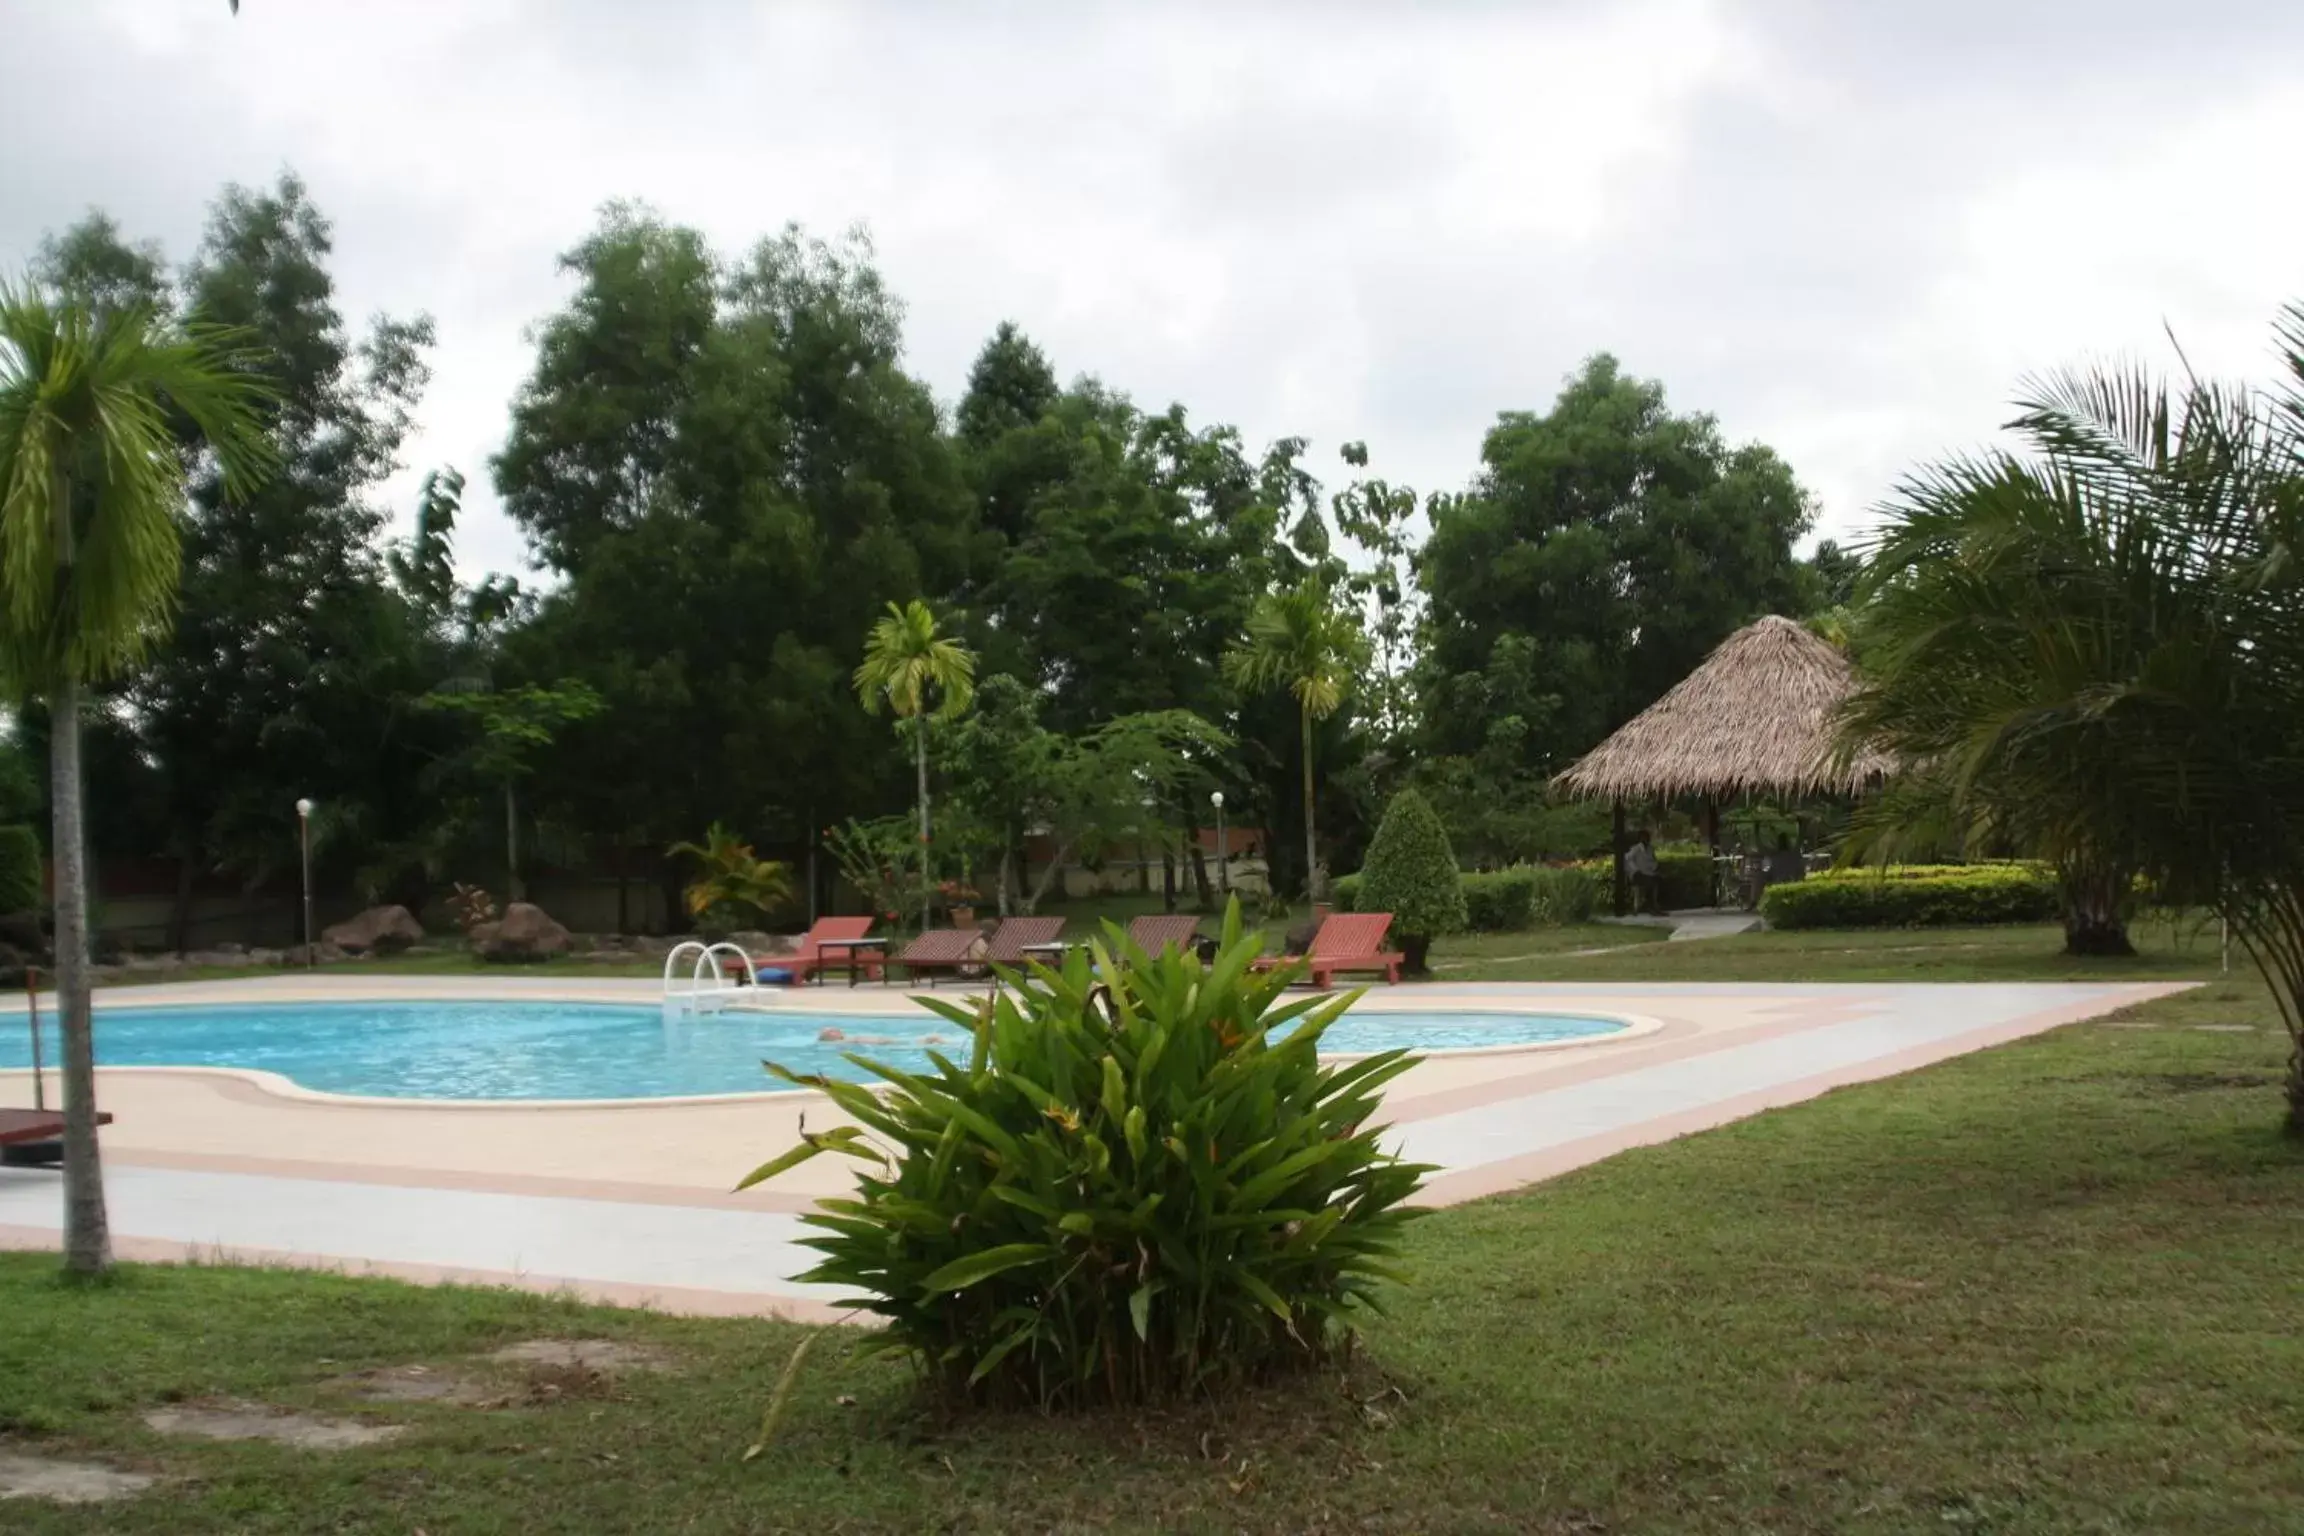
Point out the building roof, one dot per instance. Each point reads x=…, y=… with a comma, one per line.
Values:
x=1759, y=716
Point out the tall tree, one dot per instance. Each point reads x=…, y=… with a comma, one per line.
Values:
x=1604, y=549
x=294, y=661
x=90, y=485
x=1302, y=641
x=916, y=672
x=780, y=480
x=510, y=727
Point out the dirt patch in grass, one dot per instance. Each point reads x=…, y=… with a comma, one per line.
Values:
x=256, y=1421
x=66, y=1482
x=603, y=1357
x=2203, y=1082
x=416, y=1384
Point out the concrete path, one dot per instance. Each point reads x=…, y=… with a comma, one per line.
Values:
x=1696, y=923
x=631, y=1201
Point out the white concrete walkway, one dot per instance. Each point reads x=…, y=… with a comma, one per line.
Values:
x=631, y=1201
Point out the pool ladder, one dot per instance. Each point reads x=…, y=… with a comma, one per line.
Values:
x=706, y=988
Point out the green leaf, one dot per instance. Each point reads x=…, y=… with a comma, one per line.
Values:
x=975, y=1268
x=1140, y=1308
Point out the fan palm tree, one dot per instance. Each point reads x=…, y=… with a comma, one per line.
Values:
x=91, y=480
x=1301, y=640
x=906, y=665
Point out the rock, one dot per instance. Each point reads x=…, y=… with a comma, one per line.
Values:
x=756, y=943
x=525, y=932
x=377, y=931
x=264, y=957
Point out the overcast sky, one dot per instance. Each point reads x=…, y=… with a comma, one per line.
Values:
x=1843, y=234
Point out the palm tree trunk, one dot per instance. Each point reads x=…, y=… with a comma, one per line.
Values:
x=87, y=1234
x=511, y=845
x=920, y=762
x=1311, y=858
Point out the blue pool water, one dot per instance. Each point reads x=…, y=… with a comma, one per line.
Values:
x=522, y=1050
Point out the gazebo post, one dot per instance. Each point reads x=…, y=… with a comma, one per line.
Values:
x=1712, y=846
x=1621, y=892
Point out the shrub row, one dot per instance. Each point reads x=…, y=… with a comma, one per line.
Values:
x=1915, y=897
x=1509, y=900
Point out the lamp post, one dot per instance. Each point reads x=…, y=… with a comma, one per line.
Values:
x=304, y=842
x=1223, y=848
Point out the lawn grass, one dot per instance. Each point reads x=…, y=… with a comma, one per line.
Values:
x=2052, y=1287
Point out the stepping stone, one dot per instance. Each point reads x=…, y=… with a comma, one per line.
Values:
x=602, y=1355
x=413, y=1384
x=66, y=1482
x=255, y=1421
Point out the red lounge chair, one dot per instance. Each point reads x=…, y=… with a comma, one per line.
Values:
x=1154, y=935
x=942, y=949
x=27, y=1136
x=809, y=958
x=1348, y=941
x=1016, y=934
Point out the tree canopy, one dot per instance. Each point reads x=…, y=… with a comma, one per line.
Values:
x=727, y=472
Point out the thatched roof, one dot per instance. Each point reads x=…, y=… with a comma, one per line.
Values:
x=1758, y=716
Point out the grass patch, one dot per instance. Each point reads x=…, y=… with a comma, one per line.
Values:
x=2051, y=1287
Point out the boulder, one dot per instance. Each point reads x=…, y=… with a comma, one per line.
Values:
x=377, y=931
x=756, y=943
x=524, y=932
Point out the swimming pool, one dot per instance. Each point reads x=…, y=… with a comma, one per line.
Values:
x=541, y=1050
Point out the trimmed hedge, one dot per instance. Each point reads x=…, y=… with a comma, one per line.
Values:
x=1510, y=900
x=22, y=877
x=1566, y=894
x=1503, y=901
x=1411, y=873
x=1917, y=896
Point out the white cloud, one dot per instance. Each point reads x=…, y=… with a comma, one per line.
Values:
x=1843, y=232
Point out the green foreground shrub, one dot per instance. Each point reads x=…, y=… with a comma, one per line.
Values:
x=1411, y=873
x=1128, y=1192
x=1924, y=896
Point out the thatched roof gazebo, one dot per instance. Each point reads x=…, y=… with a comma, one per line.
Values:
x=1758, y=717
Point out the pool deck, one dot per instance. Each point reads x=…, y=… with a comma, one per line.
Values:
x=631, y=1201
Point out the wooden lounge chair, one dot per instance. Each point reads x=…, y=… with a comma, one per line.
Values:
x=1016, y=934
x=809, y=958
x=1158, y=933
x=942, y=949
x=1348, y=941
x=29, y=1137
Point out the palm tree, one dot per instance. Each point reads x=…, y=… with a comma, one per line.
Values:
x=2099, y=647
x=1302, y=641
x=905, y=662
x=91, y=480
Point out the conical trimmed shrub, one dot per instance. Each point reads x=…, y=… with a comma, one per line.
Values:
x=1411, y=873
